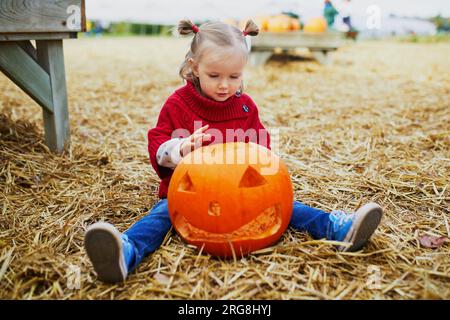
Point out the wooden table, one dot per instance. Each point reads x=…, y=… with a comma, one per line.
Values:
x=39, y=70
x=320, y=44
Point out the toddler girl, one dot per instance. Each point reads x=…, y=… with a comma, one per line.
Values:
x=212, y=100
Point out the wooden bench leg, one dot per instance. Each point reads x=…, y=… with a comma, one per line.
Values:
x=50, y=57
x=20, y=65
x=27, y=46
x=258, y=58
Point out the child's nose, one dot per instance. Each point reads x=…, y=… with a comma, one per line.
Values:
x=223, y=84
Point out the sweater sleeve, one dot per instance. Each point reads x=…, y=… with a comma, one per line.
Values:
x=159, y=135
x=168, y=154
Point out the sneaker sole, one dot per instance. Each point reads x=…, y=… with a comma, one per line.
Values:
x=103, y=245
x=367, y=221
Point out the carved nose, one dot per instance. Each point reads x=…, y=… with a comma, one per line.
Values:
x=214, y=209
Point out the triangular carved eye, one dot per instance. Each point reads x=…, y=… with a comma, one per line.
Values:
x=186, y=184
x=251, y=178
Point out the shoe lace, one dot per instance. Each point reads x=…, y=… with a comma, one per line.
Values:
x=340, y=218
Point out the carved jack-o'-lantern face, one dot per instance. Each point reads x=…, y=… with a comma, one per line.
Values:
x=233, y=197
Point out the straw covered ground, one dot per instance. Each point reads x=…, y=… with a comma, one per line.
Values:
x=374, y=126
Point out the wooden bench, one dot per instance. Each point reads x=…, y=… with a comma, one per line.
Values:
x=39, y=70
x=320, y=44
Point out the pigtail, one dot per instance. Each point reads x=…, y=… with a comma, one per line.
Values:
x=251, y=28
x=186, y=27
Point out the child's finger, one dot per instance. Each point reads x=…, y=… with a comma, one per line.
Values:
x=195, y=136
x=200, y=130
x=203, y=137
x=200, y=136
x=198, y=142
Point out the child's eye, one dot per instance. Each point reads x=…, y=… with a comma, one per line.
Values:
x=213, y=76
x=235, y=77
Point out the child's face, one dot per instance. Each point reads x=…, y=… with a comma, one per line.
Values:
x=220, y=72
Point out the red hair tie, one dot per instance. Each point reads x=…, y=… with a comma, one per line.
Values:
x=195, y=28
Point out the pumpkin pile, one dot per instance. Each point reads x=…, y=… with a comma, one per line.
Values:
x=274, y=23
x=230, y=199
x=278, y=23
x=284, y=23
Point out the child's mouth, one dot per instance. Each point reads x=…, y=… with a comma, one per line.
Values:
x=222, y=95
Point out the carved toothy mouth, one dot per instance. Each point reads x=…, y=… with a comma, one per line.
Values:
x=265, y=224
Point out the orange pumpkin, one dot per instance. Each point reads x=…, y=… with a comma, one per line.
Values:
x=295, y=24
x=238, y=199
x=279, y=23
x=316, y=25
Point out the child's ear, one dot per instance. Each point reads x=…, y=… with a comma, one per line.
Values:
x=193, y=66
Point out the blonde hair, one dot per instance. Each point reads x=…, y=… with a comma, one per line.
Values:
x=218, y=33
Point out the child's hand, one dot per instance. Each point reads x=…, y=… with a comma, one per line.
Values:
x=194, y=141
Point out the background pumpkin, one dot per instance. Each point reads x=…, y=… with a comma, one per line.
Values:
x=295, y=24
x=317, y=25
x=279, y=23
x=228, y=207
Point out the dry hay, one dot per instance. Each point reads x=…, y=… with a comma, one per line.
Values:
x=373, y=126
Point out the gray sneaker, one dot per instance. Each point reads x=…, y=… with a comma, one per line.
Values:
x=103, y=244
x=356, y=228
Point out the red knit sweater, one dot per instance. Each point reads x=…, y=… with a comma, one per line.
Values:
x=187, y=105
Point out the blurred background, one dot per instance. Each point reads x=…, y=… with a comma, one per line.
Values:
x=371, y=18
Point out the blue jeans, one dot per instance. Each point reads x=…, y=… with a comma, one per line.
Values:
x=148, y=233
